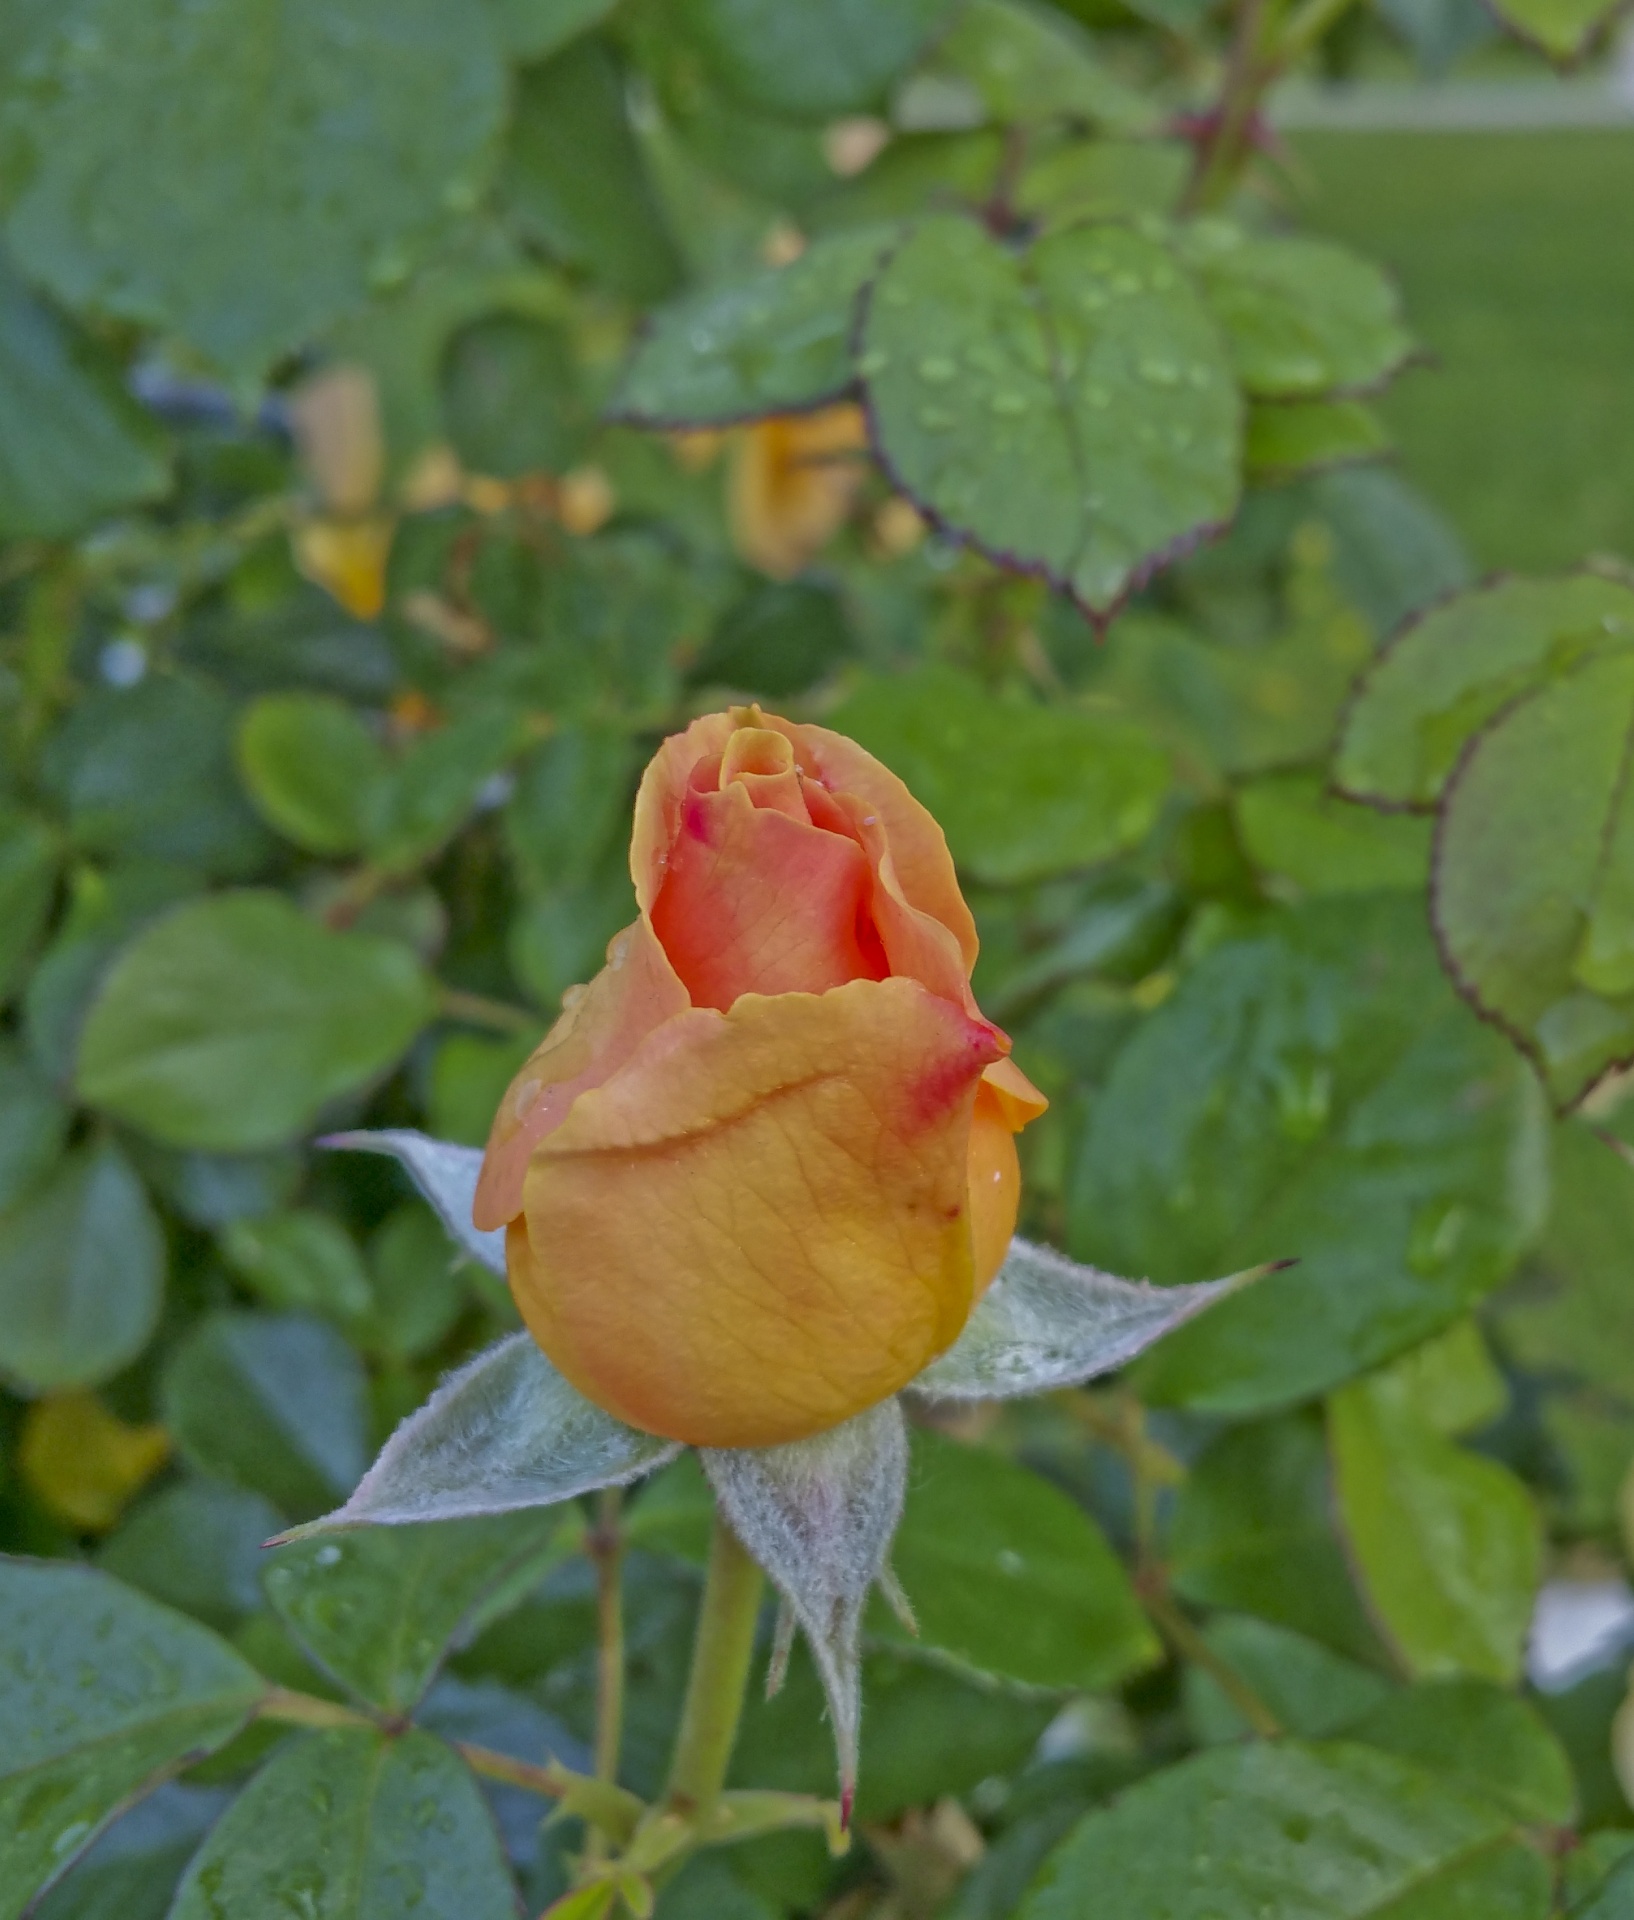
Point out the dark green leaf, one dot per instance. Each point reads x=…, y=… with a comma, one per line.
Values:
x=1303, y=317
x=1298, y=833
x=1333, y=1833
x=131, y=1872
x=786, y=56
x=76, y=446
x=510, y=398
x=271, y=1403
x=927, y=1732
x=1482, y=1737
x=574, y=181
x=778, y=341
x=437, y=783
x=379, y=1606
x=419, y=1291
x=1027, y=64
x=1311, y=1691
x=1533, y=895
x=1613, y=1899
x=102, y=1695
x=293, y=158
x=1446, y=1544
x=1444, y=677
x=1253, y=1531
x=353, y=1826
x=231, y=1022
x=196, y=1546
x=1573, y=1324
x=780, y=639
x=314, y=771
x=303, y=1261
x=104, y=910
x=33, y=1124
x=1562, y=28
x=534, y=28
x=1069, y=410
x=1021, y=790
x=28, y=879
x=147, y=773
x=81, y=1273
x=1007, y=1574
x=1289, y=437
x=569, y=805
x=1313, y=1090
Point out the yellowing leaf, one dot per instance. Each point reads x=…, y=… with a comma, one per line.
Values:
x=83, y=1463
x=793, y=479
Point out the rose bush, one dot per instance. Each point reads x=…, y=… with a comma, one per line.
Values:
x=782, y=1080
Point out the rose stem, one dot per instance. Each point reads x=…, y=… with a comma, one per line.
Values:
x=605, y=1546
x=721, y=1656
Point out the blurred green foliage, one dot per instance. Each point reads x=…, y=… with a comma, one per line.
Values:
x=408, y=414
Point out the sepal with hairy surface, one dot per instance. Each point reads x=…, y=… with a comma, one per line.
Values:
x=1047, y=1322
x=819, y=1516
x=503, y=1433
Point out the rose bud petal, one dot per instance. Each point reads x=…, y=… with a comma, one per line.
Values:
x=761, y=1169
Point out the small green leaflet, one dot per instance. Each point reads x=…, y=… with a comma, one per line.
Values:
x=231, y=1022
x=1563, y=29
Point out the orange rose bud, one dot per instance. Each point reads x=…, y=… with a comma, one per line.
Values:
x=759, y=1172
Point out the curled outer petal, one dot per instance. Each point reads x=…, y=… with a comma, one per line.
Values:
x=759, y=1225
x=601, y=1026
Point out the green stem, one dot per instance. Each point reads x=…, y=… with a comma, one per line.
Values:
x=605, y=1546
x=1190, y=1645
x=477, y=1010
x=721, y=1654
x=600, y=1802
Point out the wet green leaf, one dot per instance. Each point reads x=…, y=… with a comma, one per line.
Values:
x=293, y=159
x=353, y=1826
x=1070, y=410
x=231, y=1022
x=1476, y=1734
x=103, y=1694
x=33, y=1124
x=378, y=1606
x=1443, y=678
x=1312, y=1090
x=1336, y=1833
x=1534, y=876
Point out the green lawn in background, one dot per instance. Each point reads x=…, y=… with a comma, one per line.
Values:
x=1515, y=252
